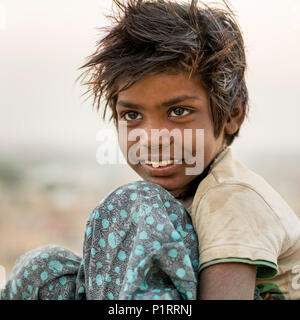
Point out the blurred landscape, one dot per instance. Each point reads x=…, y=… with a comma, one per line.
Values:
x=47, y=200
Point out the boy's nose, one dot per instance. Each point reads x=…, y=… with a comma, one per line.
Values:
x=155, y=142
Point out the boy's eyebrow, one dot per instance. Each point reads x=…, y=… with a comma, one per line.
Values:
x=178, y=99
x=164, y=104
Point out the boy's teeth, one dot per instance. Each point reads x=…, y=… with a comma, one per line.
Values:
x=160, y=163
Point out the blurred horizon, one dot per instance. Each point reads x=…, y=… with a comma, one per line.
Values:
x=47, y=200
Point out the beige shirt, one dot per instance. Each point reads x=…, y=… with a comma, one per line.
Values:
x=239, y=217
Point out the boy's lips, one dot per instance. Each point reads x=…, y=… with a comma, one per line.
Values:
x=161, y=170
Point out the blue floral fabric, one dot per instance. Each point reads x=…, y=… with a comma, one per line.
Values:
x=139, y=244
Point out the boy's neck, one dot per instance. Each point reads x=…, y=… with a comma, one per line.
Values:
x=186, y=198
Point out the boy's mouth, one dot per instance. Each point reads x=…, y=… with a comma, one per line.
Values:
x=161, y=168
x=158, y=164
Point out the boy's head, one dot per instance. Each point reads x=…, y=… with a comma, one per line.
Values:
x=191, y=48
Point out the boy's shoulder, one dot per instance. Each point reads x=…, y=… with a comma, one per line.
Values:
x=226, y=171
x=238, y=215
x=243, y=187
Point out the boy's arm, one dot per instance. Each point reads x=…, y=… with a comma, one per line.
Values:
x=227, y=281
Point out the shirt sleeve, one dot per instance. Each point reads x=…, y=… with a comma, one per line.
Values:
x=234, y=223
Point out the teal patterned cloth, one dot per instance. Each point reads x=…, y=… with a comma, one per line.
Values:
x=139, y=244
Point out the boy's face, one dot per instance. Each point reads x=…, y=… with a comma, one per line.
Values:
x=165, y=101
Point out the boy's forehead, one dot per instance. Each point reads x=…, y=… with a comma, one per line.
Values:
x=163, y=86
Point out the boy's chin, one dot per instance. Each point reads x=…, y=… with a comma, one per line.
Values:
x=169, y=183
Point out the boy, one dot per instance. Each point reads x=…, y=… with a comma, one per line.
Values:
x=169, y=66
x=158, y=52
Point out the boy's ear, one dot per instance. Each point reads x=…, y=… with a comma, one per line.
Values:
x=234, y=121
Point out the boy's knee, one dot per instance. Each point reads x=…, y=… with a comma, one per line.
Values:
x=134, y=192
x=132, y=195
x=131, y=200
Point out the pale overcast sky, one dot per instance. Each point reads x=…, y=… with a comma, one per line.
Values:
x=42, y=43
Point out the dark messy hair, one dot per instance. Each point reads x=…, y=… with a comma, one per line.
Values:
x=153, y=36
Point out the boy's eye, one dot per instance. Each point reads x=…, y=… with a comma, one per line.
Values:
x=131, y=115
x=179, y=111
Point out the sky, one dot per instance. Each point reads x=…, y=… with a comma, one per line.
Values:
x=43, y=43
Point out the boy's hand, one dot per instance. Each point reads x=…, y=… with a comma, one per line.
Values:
x=227, y=281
